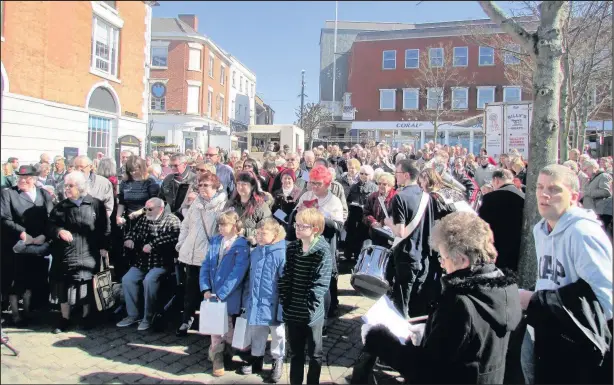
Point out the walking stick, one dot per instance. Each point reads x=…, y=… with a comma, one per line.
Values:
x=5, y=342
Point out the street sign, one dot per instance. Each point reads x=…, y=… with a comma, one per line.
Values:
x=158, y=90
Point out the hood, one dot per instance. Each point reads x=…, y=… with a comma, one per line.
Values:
x=278, y=246
x=571, y=216
x=218, y=200
x=493, y=293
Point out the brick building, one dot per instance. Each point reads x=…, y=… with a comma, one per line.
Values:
x=74, y=77
x=191, y=79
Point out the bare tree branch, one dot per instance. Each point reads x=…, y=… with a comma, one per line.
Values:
x=315, y=117
x=509, y=25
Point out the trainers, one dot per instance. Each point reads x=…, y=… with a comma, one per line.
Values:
x=183, y=329
x=128, y=321
x=144, y=325
x=62, y=326
x=276, y=371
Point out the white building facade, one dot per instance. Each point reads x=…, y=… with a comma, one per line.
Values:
x=242, y=92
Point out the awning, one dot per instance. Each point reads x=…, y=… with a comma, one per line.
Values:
x=469, y=122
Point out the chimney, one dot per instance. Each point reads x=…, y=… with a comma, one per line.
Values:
x=190, y=20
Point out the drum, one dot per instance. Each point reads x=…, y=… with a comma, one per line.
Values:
x=369, y=274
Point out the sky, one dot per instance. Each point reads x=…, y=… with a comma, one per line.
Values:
x=276, y=40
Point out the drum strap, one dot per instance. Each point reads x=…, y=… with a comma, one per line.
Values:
x=409, y=229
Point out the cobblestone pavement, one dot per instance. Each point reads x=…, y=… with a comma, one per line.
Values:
x=111, y=355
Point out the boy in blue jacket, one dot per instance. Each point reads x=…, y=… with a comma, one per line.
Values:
x=302, y=289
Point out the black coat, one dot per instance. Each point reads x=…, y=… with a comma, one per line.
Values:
x=502, y=209
x=466, y=335
x=20, y=214
x=90, y=228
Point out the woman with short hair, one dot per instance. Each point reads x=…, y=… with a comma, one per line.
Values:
x=598, y=187
x=356, y=230
x=349, y=178
x=467, y=332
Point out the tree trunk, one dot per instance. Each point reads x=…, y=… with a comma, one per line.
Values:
x=545, y=47
x=564, y=127
x=583, y=120
x=435, y=131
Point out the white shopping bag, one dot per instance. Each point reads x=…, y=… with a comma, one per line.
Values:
x=242, y=337
x=213, y=318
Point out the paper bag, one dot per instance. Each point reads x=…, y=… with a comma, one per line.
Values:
x=213, y=318
x=242, y=338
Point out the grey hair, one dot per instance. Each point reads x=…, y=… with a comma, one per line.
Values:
x=308, y=152
x=84, y=158
x=564, y=174
x=400, y=156
x=369, y=170
x=572, y=165
x=181, y=157
x=157, y=202
x=156, y=167
x=387, y=177
x=234, y=153
x=439, y=164
x=590, y=162
x=107, y=167
x=78, y=178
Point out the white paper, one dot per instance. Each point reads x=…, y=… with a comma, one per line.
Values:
x=383, y=312
x=279, y=214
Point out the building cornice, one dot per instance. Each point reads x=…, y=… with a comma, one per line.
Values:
x=193, y=38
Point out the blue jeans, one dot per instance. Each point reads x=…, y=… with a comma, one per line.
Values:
x=133, y=281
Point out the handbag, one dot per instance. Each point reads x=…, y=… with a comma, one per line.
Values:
x=213, y=318
x=242, y=337
x=103, y=287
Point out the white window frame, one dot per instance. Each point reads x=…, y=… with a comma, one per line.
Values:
x=211, y=65
x=455, y=56
x=417, y=58
x=158, y=44
x=114, y=44
x=234, y=79
x=191, y=85
x=241, y=83
x=2, y=20
x=222, y=74
x=443, y=61
x=508, y=57
x=480, y=55
x=209, y=101
x=394, y=99
x=428, y=98
x=221, y=109
x=485, y=88
x=192, y=50
x=158, y=104
x=252, y=90
x=394, y=67
x=453, y=106
x=507, y=88
x=416, y=91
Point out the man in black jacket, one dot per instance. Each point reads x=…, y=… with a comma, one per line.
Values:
x=502, y=209
x=177, y=185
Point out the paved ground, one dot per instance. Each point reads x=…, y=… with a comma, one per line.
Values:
x=111, y=355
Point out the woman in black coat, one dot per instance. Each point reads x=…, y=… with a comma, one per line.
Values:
x=356, y=230
x=466, y=336
x=24, y=210
x=80, y=229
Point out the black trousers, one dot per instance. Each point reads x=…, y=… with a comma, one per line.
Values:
x=407, y=293
x=191, y=297
x=298, y=335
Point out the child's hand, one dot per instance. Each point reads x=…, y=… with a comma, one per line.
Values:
x=207, y=295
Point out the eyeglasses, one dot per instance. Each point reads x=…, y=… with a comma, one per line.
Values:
x=201, y=170
x=302, y=226
x=209, y=155
x=316, y=184
x=175, y=165
x=204, y=185
x=147, y=209
x=383, y=184
x=364, y=173
x=70, y=185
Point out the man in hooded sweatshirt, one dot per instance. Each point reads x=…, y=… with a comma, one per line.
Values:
x=567, y=340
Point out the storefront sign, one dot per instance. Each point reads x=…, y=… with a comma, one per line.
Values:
x=415, y=126
x=508, y=126
x=517, y=119
x=494, y=130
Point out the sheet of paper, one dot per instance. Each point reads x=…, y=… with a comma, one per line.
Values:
x=280, y=215
x=384, y=313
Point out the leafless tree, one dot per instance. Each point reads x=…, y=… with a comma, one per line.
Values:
x=545, y=47
x=315, y=117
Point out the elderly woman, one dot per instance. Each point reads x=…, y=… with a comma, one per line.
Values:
x=197, y=229
x=287, y=196
x=80, y=230
x=59, y=169
x=598, y=187
x=24, y=212
x=377, y=207
x=356, y=230
x=466, y=336
x=350, y=177
x=9, y=174
x=44, y=177
x=249, y=202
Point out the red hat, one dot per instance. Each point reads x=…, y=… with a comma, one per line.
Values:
x=290, y=172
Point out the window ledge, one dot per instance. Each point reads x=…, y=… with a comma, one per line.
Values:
x=211, y=76
x=411, y=68
x=195, y=70
x=158, y=112
x=2, y=38
x=104, y=75
x=158, y=68
x=410, y=109
x=463, y=66
x=486, y=65
x=460, y=109
x=389, y=69
x=387, y=109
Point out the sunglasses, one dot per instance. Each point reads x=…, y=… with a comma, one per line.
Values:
x=147, y=209
x=204, y=185
x=209, y=155
x=363, y=173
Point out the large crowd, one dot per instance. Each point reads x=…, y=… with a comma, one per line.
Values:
x=266, y=236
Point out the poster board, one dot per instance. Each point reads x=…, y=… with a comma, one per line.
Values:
x=493, y=125
x=507, y=126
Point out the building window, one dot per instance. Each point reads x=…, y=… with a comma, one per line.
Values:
x=99, y=135
x=485, y=95
x=105, y=47
x=389, y=60
x=509, y=57
x=434, y=98
x=252, y=93
x=512, y=94
x=387, y=99
x=460, y=98
x=193, y=99
x=222, y=75
x=209, y=101
x=241, y=84
x=487, y=56
x=412, y=58
x=410, y=98
x=194, y=60
x=436, y=57
x=211, y=64
x=1, y=18
x=110, y=3
x=234, y=79
x=159, y=56
x=158, y=104
x=461, y=57
x=220, y=107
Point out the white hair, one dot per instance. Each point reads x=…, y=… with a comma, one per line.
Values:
x=590, y=162
x=78, y=179
x=235, y=153
x=156, y=167
x=369, y=170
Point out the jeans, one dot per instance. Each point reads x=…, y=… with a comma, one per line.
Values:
x=133, y=281
x=299, y=335
x=527, y=356
x=260, y=334
x=192, y=297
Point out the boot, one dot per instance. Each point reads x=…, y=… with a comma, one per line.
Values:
x=218, y=364
x=252, y=365
x=277, y=370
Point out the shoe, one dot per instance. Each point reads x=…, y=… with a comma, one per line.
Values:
x=218, y=364
x=258, y=364
x=182, y=331
x=62, y=326
x=88, y=323
x=324, y=331
x=277, y=370
x=252, y=365
x=144, y=325
x=128, y=321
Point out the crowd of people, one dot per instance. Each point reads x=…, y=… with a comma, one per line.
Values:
x=266, y=236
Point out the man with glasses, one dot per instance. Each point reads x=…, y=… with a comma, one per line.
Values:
x=123, y=158
x=293, y=162
x=223, y=172
x=177, y=185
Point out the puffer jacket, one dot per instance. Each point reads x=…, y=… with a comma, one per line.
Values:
x=261, y=292
x=596, y=190
x=193, y=243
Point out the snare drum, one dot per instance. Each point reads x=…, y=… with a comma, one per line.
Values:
x=369, y=275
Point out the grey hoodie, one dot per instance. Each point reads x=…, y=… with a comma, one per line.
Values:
x=576, y=248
